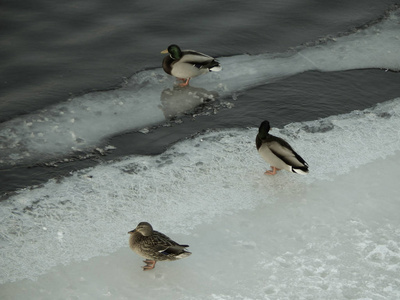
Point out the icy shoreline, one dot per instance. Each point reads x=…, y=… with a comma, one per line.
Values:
x=336, y=239
x=195, y=182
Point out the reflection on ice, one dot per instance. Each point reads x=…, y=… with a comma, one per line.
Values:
x=82, y=123
x=178, y=100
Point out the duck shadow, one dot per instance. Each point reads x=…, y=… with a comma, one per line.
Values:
x=179, y=101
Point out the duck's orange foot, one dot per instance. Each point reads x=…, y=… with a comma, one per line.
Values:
x=271, y=172
x=185, y=83
x=150, y=264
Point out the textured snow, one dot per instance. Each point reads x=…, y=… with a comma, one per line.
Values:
x=336, y=239
x=333, y=234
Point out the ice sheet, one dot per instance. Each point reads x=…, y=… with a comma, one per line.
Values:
x=195, y=182
x=336, y=239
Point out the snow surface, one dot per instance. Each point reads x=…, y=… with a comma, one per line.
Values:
x=82, y=123
x=333, y=234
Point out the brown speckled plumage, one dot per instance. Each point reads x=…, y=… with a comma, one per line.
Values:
x=154, y=245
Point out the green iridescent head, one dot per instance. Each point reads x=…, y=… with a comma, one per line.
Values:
x=174, y=51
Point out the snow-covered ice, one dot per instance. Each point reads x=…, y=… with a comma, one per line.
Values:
x=333, y=234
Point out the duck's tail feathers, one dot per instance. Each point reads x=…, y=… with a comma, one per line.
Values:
x=300, y=170
x=215, y=68
x=183, y=254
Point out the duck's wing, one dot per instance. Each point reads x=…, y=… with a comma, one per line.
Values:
x=285, y=152
x=199, y=60
x=163, y=244
x=191, y=55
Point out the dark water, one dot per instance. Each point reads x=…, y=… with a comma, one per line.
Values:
x=52, y=50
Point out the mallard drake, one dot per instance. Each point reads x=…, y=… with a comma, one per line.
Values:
x=187, y=64
x=154, y=245
x=278, y=153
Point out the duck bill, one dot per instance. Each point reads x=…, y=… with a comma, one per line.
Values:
x=132, y=231
x=164, y=51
